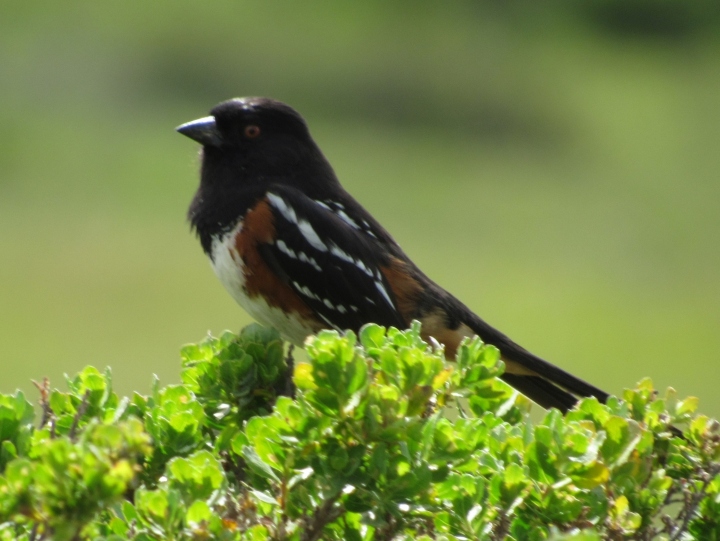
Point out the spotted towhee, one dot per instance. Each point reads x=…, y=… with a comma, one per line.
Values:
x=300, y=254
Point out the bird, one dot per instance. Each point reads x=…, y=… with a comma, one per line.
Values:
x=300, y=254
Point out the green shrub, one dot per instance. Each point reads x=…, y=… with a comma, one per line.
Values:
x=375, y=437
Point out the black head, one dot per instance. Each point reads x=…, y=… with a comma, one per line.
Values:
x=258, y=136
x=248, y=145
x=228, y=122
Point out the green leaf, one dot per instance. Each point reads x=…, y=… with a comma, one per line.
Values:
x=380, y=439
x=257, y=465
x=372, y=336
x=264, y=497
x=197, y=476
x=199, y=512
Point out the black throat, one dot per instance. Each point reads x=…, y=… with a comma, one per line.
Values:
x=230, y=185
x=226, y=192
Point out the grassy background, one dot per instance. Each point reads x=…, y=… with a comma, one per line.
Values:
x=556, y=168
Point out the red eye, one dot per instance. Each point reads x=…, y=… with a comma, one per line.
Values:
x=252, y=131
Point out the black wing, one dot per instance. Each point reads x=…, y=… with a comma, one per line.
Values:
x=331, y=261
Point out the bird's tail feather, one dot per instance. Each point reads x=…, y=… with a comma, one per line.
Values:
x=539, y=380
x=541, y=391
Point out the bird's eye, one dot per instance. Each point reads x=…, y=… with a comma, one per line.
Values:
x=252, y=131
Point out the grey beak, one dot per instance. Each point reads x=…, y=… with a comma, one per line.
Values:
x=203, y=130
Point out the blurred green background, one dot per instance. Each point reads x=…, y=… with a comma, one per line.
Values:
x=556, y=166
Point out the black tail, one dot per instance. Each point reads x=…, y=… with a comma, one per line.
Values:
x=542, y=382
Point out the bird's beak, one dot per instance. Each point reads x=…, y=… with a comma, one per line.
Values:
x=203, y=130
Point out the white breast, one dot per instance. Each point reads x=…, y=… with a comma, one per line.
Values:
x=230, y=269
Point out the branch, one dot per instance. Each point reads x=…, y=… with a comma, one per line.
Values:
x=47, y=412
x=692, y=501
x=322, y=517
x=286, y=386
x=82, y=408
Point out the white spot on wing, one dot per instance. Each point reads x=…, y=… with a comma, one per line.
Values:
x=345, y=218
x=302, y=256
x=286, y=210
x=381, y=288
x=337, y=252
x=339, y=210
x=311, y=261
x=303, y=225
x=323, y=205
x=305, y=290
x=363, y=267
x=309, y=233
x=284, y=248
x=367, y=229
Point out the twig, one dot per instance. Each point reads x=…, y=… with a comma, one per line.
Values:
x=503, y=525
x=289, y=389
x=322, y=517
x=692, y=502
x=387, y=532
x=82, y=408
x=44, y=390
x=282, y=529
x=33, y=532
